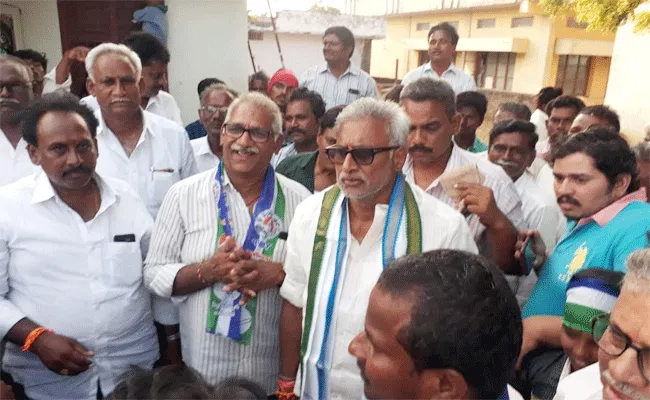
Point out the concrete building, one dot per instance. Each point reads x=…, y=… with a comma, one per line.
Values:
x=207, y=38
x=301, y=38
x=507, y=45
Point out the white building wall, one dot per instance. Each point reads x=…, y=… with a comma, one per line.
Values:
x=300, y=51
x=207, y=38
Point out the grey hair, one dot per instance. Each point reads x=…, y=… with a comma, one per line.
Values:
x=637, y=277
x=642, y=151
x=216, y=87
x=261, y=101
x=108, y=48
x=8, y=59
x=397, y=123
x=428, y=89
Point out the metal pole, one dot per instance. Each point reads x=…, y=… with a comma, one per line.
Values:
x=250, y=51
x=275, y=32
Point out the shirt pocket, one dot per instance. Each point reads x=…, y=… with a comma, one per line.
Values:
x=161, y=182
x=125, y=263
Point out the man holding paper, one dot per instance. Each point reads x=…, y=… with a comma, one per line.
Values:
x=478, y=188
x=340, y=241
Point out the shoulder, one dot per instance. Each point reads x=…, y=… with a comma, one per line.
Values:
x=412, y=74
x=90, y=102
x=637, y=211
x=17, y=192
x=311, y=71
x=192, y=184
x=170, y=128
x=434, y=211
x=198, y=143
x=166, y=98
x=291, y=163
x=309, y=208
x=292, y=188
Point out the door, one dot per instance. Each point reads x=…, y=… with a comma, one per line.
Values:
x=89, y=23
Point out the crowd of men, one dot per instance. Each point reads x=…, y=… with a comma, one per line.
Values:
x=306, y=239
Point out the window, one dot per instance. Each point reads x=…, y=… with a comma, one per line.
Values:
x=255, y=35
x=573, y=74
x=486, y=23
x=496, y=70
x=519, y=22
x=422, y=26
x=571, y=22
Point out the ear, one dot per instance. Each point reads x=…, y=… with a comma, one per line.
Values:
x=399, y=158
x=33, y=154
x=141, y=85
x=620, y=186
x=455, y=122
x=443, y=384
x=90, y=86
x=532, y=158
x=278, y=143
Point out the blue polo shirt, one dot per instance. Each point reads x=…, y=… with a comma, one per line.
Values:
x=604, y=240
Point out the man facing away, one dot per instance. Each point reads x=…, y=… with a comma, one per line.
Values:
x=337, y=80
x=439, y=325
x=72, y=243
x=341, y=239
x=221, y=235
x=442, y=39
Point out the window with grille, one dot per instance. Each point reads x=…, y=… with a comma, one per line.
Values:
x=571, y=22
x=255, y=35
x=486, y=23
x=520, y=22
x=496, y=70
x=573, y=74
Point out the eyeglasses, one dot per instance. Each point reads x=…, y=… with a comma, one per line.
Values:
x=258, y=135
x=210, y=110
x=614, y=342
x=361, y=155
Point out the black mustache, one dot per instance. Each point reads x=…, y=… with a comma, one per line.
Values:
x=294, y=130
x=77, y=169
x=568, y=199
x=421, y=148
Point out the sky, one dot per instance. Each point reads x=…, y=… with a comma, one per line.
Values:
x=261, y=7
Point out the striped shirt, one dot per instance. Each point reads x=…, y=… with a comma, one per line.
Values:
x=454, y=76
x=352, y=85
x=185, y=233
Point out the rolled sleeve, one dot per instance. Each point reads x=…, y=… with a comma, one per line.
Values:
x=9, y=313
x=50, y=85
x=164, y=256
x=298, y=259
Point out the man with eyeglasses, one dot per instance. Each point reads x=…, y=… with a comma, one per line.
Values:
x=15, y=93
x=215, y=100
x=623, y=368
x=340, y=241
x=218, y=248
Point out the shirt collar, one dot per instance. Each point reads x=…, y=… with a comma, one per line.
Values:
x=43, y=191
x=608, y=213
x=146, y=124
x=351, y=70
x=452, y=164
x=308, y=160
x=203, y=146
x=452, y=68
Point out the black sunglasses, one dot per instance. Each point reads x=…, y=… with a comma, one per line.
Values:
x=361, y=155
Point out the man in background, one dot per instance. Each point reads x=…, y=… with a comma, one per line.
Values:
x=472, y=107
x=196, y=129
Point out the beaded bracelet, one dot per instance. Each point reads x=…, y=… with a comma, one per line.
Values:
x=33, y=335
x=285, y=389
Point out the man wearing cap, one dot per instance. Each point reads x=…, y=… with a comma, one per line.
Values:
x=280, y=87
x=590, y=293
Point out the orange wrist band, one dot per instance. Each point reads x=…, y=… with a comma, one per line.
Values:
x=31, y=338
x=285, y=389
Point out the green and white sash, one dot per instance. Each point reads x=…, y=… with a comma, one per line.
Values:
x=402, y=235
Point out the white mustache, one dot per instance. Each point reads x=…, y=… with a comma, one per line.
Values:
x=244, y=149
x=8, y=100
x=506, y=163
x=622, y=387
x=121, y=100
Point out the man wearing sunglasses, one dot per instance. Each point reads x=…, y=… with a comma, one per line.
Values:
x=220, y=237
x=215, y=100
x=493, y=208
x=623, y=369
x=340, y=241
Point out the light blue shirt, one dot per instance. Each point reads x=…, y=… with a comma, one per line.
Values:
x=454, y=76
x=153, y=21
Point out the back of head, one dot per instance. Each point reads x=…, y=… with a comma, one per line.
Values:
x=637, y=277
x=112, y=48
x=239, y=389
x=148, y=47
x=515, y=126
x=475, y=100
x=32, y=55
x=520, y=110
x=165, y=383
x=394, y=117
x=393, y=93
x=427, y=89
x=258, y=76
x=314, y=99
x=605, y=113
x=545, y=95
x=610, y=152
x=329, y=118
x=464, y=317
x=447, y=27
x=345, y=36
x=565, y=102
x=205, y=83
x=642, y=151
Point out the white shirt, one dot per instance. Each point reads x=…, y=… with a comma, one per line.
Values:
x=544, y=178
x=584, y=384
x=71, y=276
x=14, y=162
x=162, y=104
x=205, y=158
x=539, y=118
x=352, y=85
x=163, y=147
x=287, y=151
x=185, y=233
x=451, y=232
x=454, y=76
x=50, y=85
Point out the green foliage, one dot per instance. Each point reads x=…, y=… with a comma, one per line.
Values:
x=318, y=7
x=603, y=15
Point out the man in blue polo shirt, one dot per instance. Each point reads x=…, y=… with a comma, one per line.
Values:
x=598, y=191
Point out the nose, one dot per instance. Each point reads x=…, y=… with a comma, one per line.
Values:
x=562, y=187
x=4, y=91
x=625, y=369
x=417, y=136
x=119, y=89
x=349, y=164
x=245, y=139
x=73, y=159
x=356, y=347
